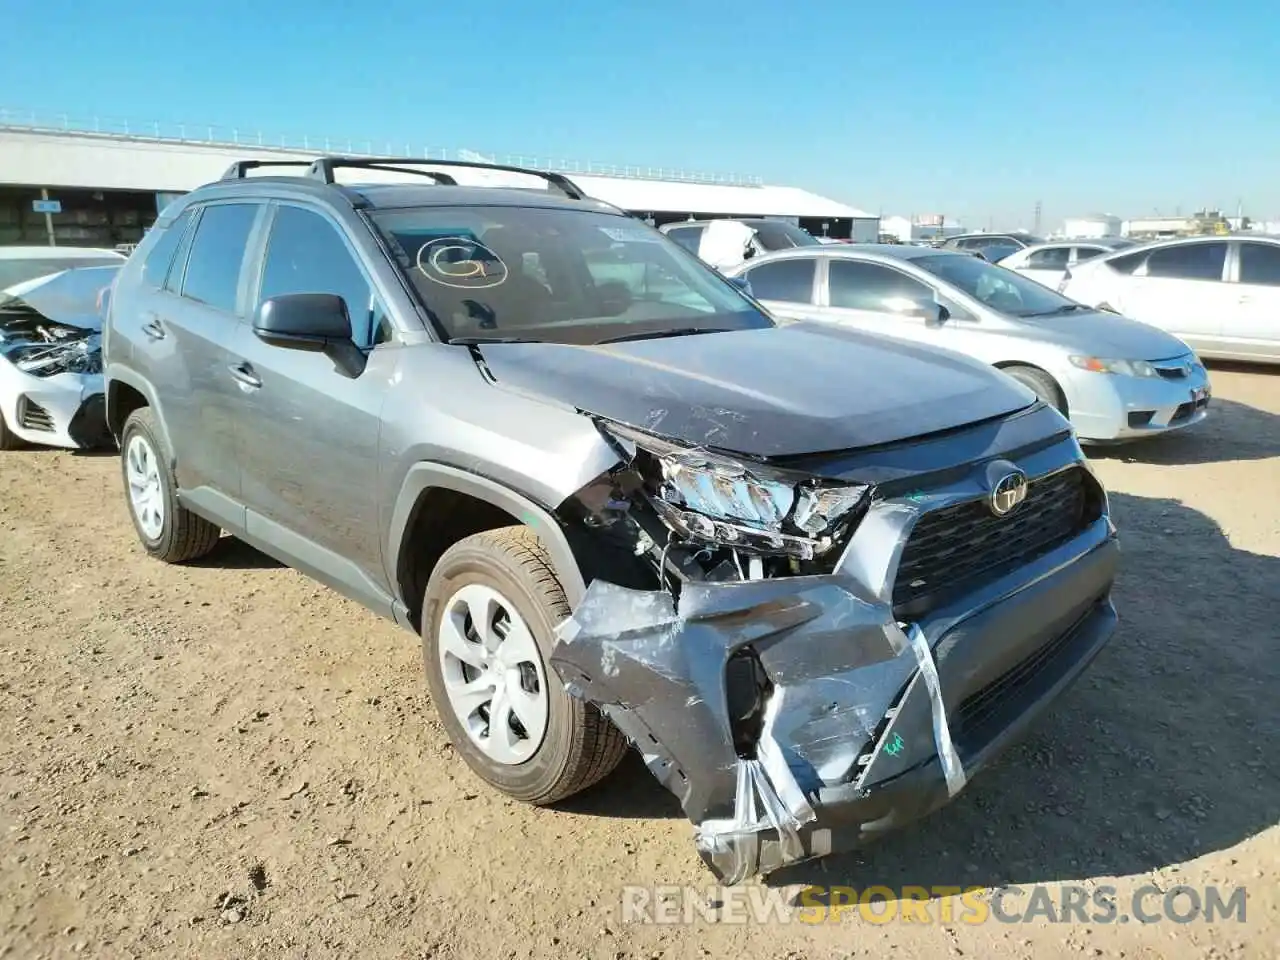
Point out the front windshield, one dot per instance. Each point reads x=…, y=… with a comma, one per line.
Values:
x=780, y=235
x=13, y=272
x=1002, y=290
x=557, y=275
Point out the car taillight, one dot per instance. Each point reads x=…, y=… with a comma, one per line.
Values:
x=1066, y=278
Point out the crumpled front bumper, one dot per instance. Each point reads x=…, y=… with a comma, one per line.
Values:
x=870, y=723
x=64, y=410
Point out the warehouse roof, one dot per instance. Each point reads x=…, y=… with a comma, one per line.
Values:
x=77, y=159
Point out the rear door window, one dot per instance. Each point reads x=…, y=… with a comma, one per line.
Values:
x=1191, y=261
x=787, y=281
x=217, y=254
x=1260, y=264
x=855, y=285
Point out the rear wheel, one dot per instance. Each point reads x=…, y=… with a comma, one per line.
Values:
x=168, y=530
x=488, y=617
x=1041, y=384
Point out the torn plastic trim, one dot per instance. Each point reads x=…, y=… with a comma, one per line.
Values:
x=837, y=662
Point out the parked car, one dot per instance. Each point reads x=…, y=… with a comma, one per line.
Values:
x=805, y=570
x=51, y=361
x=1116, y=379
x=1219, y=294
x=26, y=263
x=1048, y=262
x=990, y=246
x=727, y=242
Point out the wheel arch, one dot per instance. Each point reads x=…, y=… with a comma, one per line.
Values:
x=126, y=393
x=1004, y=365
x=439, y=504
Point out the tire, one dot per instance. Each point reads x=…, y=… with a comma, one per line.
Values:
x=8, y=439
x=179, y=535
x=1041, y=384
x=578, y=745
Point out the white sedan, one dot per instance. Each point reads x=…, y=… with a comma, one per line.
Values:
x=1219, y=294
x=1048, y=262
x=51, y=359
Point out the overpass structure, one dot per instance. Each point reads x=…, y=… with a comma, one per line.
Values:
x=70, y=185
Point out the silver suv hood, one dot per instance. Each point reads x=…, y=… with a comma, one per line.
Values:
x=802, y=388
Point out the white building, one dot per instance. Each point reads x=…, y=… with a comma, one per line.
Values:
x=1092, y=227
x=108, y=187
x=913, y=229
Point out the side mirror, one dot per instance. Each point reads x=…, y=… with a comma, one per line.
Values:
x=315, y=322
x=931, y=312
x=934, y=313
x=742, y=283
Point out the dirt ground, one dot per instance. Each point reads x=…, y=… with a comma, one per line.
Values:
x=227, y=760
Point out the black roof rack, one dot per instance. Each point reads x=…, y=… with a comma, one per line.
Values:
x=238, y=169
x=323, y=167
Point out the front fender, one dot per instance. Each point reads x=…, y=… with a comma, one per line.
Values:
x=425, y=476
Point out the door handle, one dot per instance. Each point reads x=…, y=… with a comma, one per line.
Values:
x=1245, y=298
x=152, y=328
x=243, y=374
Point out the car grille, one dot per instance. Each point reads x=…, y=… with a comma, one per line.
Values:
x=960, y=545
x=32, y=416
x=1173, y=373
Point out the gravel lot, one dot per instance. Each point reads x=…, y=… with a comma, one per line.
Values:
x=227, y=760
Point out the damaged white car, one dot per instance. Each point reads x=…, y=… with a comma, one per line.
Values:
x=51, y=359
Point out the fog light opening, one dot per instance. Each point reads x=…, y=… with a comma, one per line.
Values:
x=747, y=690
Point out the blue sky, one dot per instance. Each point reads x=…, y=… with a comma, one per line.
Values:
x=976, y=109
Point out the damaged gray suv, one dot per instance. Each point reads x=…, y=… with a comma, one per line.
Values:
x=816, y=578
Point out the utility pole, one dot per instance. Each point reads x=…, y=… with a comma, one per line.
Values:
x=1036, y=228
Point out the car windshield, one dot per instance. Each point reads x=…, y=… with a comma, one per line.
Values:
x=557, y=275
x=1002, y=290
x=13, y=272
x=780, y=235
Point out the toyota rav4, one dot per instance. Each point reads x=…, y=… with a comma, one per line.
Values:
x=816, y=578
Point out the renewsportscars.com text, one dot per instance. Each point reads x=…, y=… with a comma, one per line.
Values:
x=1098, y=904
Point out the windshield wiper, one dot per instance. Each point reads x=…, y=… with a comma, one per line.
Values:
x=660, y=334
x=1057, y=311
x=476, y=341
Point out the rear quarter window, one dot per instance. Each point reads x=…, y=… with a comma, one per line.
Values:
x=1128, y=263
x=155, y=269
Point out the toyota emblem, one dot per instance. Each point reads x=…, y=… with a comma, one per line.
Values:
x=1009, y=491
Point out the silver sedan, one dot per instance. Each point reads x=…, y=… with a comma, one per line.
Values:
x=1114, y=378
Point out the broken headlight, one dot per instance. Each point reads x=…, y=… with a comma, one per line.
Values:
x=716, y=500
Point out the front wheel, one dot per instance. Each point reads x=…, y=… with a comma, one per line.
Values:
x=488, y=617
x=1041, y=384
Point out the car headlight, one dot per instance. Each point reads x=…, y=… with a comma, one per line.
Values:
x=719, y=501
x=1128, y=368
